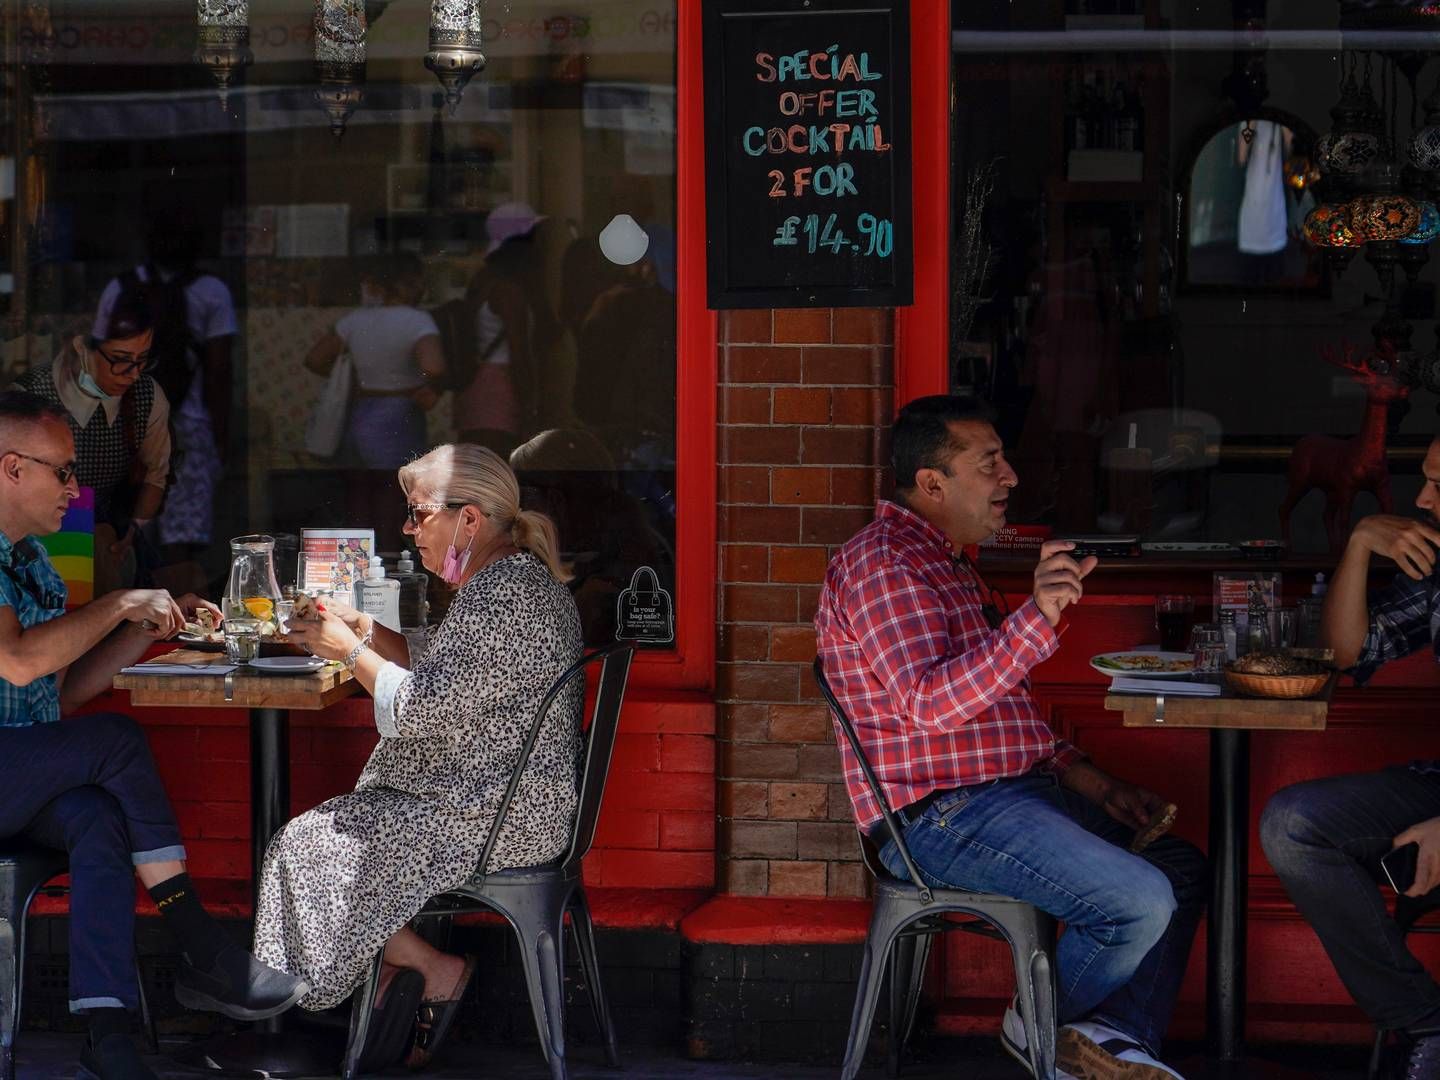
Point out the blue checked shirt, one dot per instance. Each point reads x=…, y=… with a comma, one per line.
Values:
x=1404, y=617
x=31, y=586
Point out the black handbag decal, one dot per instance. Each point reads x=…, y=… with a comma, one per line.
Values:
x=644, y=612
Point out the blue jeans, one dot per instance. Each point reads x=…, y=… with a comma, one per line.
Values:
x=1130, y=919
x=1325, y=838
x=88, y=786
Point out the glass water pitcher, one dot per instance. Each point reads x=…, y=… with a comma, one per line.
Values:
x=252, y=589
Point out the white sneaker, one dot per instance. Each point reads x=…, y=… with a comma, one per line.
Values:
x=1012, y=1039
x=1090, y=1050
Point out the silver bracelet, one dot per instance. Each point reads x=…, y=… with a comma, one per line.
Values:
x=353, y=656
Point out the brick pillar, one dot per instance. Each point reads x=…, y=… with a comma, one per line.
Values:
x=805, y=399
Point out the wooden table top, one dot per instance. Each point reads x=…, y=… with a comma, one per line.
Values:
x=1229, y=710
x=247, y=688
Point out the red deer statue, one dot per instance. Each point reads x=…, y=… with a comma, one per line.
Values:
x=1342, y=468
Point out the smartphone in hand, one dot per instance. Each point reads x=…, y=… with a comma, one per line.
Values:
x=1399, y=866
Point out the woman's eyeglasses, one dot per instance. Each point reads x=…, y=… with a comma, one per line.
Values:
x=124, y=365
x=418, y=513
x=63, y=473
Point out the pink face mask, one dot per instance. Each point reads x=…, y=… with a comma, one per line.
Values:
x=454, y=563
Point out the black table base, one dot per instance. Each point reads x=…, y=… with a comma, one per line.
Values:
x=1229, y=869
x=265, y=1049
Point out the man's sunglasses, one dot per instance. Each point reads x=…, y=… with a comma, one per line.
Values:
x=417, y=513
x=63, y=473
x=995, y=609
x=124, y=365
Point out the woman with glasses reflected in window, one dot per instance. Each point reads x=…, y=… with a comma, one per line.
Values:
x=120, y=418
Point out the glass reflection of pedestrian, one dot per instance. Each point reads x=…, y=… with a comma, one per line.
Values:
x=496, y=407
x=119, y=416
x=396, y=349
x=1263, y=229
x=195, y=328
x=625, y=382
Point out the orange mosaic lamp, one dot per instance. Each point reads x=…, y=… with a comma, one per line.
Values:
x=1328, y=226
x=1383, y=217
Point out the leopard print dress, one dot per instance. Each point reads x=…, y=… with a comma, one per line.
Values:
x=342, y=878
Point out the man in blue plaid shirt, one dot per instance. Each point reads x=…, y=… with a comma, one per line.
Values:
x=1325, y=838
x=87, y=784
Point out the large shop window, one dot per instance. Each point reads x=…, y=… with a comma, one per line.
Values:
x=318, y=196
x=1132, y=280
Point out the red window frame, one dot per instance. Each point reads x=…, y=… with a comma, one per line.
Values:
x=922, y=331
x=691, y=664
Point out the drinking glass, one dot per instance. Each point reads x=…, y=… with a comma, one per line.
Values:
x=283, y=610
x=1210, y=658
x=242, y=639
x=1172, y=619
x=1202, y=633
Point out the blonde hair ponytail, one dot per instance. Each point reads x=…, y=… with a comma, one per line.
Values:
x=534, y=532
x=464, y=472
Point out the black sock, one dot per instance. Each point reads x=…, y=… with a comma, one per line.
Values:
x=107, y=1021
x=200, y=936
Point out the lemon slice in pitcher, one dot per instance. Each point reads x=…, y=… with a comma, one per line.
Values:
x=262, y=607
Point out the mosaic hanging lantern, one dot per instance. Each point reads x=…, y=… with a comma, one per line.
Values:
x=1428, y=227
x=1383, y=217
x=1300, y=172
x=1354, y=139
x=1425, y=143
x=454, y=55
x=340, y=27
x=222, y=44
x=1328, y=226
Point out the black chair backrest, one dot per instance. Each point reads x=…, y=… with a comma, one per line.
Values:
x=599, y=745
x=891, y=822
x=598, y=742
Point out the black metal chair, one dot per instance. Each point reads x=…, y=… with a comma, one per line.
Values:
x=907, y=916
x=24, y=870
x=535, y=899
x=1408, y=912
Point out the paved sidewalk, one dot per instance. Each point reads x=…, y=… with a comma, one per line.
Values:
x=45, y=1056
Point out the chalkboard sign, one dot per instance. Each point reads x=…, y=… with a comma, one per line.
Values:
x=807, y=153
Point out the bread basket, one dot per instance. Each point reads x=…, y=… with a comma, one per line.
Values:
x=1277, y=686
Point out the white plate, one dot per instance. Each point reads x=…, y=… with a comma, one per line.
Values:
x=1133, y=663
x=200, y=639
x=288, y=663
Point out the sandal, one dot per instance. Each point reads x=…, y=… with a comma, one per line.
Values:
x=433, y=1019
x=392, y=1022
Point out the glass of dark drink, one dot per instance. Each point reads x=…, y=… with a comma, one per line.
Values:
x=1172, y=618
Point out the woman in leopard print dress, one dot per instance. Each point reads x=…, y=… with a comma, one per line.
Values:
x=342, y=880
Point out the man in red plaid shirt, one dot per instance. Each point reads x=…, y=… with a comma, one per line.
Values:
x=937, y=683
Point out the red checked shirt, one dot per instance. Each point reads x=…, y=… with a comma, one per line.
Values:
x=938, y=699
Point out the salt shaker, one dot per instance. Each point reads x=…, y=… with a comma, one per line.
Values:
x=1227, y=632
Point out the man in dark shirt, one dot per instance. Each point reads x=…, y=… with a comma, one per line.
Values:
x=1325, y=838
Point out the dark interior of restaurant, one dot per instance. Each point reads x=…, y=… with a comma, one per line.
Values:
x=1133, y=283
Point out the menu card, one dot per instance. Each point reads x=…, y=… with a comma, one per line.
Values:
x=334, y=560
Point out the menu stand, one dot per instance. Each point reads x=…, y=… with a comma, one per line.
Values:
x=265, y=1048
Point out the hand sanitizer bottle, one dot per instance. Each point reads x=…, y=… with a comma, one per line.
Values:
x=380, y=596
x=414, y=608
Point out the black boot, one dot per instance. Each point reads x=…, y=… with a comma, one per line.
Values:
x=237, y=985
x=113, y=1057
